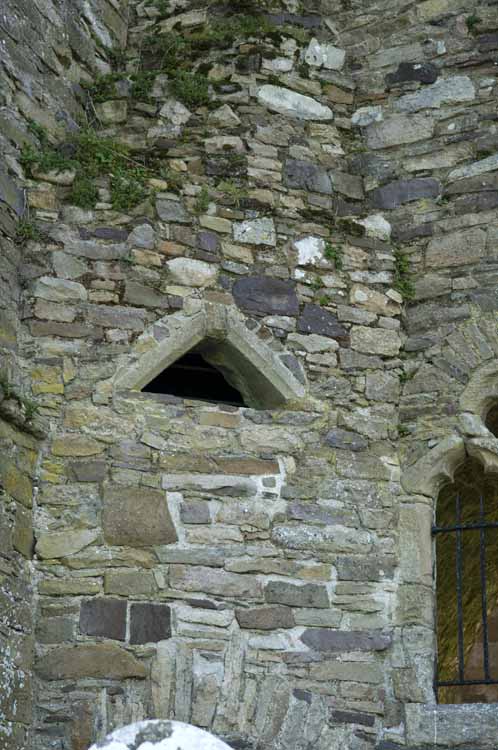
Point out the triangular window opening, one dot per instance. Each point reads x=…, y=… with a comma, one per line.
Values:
x=193, y=377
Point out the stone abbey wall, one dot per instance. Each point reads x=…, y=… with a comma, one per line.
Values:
x=314, y=194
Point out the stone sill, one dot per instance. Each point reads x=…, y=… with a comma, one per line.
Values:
x=473, y=725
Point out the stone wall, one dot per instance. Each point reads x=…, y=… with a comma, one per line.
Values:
x=320, y=181
x=47, y=49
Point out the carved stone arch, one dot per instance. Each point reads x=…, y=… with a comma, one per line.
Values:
x=427, y=475
x=247, y=363
x=481, y=391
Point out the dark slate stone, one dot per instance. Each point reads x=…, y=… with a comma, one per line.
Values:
x=404, y=191
x=303, y=175
x=352, y=717
x=104, y=233
x=326, y=640
x=403, y=232
x=195, y=511
x=314, y=319
x=88, y=471
x=249, y=63
x=313, y=513
x=423, y=72
x=488, y=42
x=226, y=166
x=302, y=695
x=338, y=438
x=208, y=241
x=265, y=618
x=366, y=568
x=370, y=165
x=292, y=19
x=293, y=595
x=104, y=617
x=11, y=194
x=485, y=201
x=264, y=295
x=149, y=623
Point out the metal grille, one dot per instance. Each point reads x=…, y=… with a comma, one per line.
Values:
x=458, y=531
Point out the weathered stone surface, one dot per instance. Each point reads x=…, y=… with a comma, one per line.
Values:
x=375, y=341
x=104, y=617
x=306, y=595
x=149, y=623
x=314, y=319
x=338, y=438
x=64, y=543
x=292, y=104
x=192, y=272
x=309, y=250
x=321, y=639
x=489, y=164
x=214, y=581
x=456, y=248
x=265, y=618
x=136, y=516
x=255, y=232
x=170, y=210
x=407, y=72
x=399, y=129
x=450, y=90
x=129, y=582
x=139, y=294
x=324, y=55
x=97, y=660
x=304, y=175
x=404, y=191
x=264, y=295
x=59, y=290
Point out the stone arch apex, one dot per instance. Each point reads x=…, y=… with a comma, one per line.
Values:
x=248, y=363
x=426, y=476
x=481, y=390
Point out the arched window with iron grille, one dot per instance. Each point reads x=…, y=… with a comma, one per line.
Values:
x=466, y=544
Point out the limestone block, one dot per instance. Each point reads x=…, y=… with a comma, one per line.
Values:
x=295, y=595
x=324, y=55
x=456, y=248
x=292, y=104
x=214, y=581
x=112, y=112
x=255, y=232
x=191, y=272
x=325, y=640
x=136, y=516
x=309, y=250
x=171, y=210
x=439, y=463
x=265, y=618
x=399, y=129
x=375, y=341
x=59, y=290
x=125, y=582
x=94, y=660
x=63, y=543
x=450, y=90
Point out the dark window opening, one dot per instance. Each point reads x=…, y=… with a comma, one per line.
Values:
x=193, y=377
x=466, y=538
x=492, y=420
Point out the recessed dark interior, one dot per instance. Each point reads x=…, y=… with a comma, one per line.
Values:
x=192, y=376
x=492, y=420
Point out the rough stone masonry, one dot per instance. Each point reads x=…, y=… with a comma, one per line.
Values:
x=313, y=189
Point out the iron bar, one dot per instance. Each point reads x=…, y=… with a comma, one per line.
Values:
x=484, y=604
x=459, y=593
